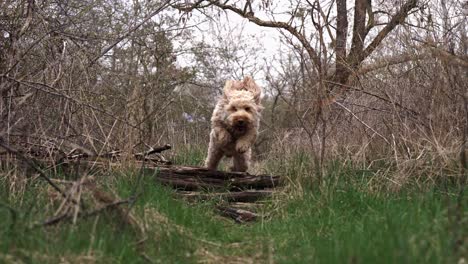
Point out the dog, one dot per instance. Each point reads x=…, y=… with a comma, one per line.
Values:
x=234, y=124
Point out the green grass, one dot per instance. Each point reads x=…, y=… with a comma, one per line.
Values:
x=342, y=222
x=356, y=227
x=189, y=155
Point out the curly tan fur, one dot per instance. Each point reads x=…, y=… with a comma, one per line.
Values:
x=234, y=124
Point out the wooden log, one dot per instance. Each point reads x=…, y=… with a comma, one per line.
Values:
x=244, y=196
x=195, y=178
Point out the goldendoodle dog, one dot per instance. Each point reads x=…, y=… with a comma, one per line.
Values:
x=234, y=124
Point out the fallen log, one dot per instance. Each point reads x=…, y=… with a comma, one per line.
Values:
x=244, y=196
x=196, y=178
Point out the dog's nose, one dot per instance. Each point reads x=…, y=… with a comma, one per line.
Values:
x=240, y=122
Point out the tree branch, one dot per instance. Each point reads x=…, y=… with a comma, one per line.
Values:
x=391, y=60
x=396, y=20
x=263, y=23
x=129, y=32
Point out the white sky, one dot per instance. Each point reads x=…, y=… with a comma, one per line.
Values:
x=232, y=26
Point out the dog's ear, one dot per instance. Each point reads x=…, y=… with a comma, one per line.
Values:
x=232, y=86
x=252, y=87
x=228, y=88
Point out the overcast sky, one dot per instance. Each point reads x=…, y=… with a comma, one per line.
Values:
x=231, y=26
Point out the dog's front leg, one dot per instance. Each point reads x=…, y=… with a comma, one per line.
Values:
x=241, y=161
x=245, y=142
x=221, y=136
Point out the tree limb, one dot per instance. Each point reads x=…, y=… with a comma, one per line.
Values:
x=396, y=20
x=391, y=60
x=264, y=23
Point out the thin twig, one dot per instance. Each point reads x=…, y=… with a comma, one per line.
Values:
x=362, y=122
x=129, y=32
x=55, y=92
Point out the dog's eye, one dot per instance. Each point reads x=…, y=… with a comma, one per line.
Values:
x=233, y=108
x=247, y=109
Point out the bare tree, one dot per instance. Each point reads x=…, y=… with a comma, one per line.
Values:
x=93, y=74
x=311, y=25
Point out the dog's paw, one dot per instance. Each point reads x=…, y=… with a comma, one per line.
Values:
x=242, y=146
x=222, y=135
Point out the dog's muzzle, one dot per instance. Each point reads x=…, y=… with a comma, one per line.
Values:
x=240, y=126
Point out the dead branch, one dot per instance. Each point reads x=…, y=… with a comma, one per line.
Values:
x=239, y=215
x=152, y=151
x=54, y=220
x=118, y=153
